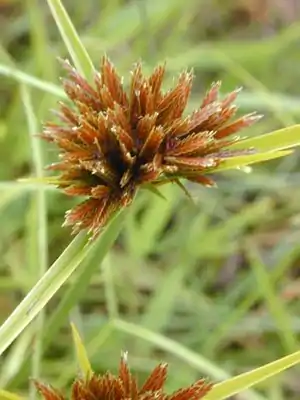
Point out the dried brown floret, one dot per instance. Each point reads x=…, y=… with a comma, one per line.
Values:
x=112, y=142
x=125, y=386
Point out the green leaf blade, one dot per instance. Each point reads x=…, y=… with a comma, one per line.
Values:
x=281, y=139
x=82, y=356
x=71, y=39
x=244, y=381
x=5, y=395
x=241, y=161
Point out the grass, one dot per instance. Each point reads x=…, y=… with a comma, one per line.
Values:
x=180, y=284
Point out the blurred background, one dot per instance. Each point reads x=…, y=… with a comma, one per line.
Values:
x=212, y=287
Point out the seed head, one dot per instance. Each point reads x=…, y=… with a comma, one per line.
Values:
x=111, y=141
x=125, y=386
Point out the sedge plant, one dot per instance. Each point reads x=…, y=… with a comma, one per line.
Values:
x=113, y=142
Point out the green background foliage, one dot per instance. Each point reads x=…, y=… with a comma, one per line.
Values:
x=210, y=287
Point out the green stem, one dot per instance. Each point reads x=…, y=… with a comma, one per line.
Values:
x=71, y=39
x=92, y=260
x=41, y=248
x=44, y=290
x=30, y=80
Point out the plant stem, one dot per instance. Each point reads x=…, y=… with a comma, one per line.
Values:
x=40, y=257
x=44, y=290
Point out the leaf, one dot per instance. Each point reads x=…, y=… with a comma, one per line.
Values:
x=45, y=180
x=240, y=161
x=278, y=140
x=80, y=284
x=44, y=290
x=71, y=39
x=30, y=80
x=38, y=253
x=12, y=363
x=242, y=382
x=82, y=356
x=4, y=395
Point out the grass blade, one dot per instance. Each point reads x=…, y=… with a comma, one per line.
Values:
x=30, y=80
x=44, y=290
x=275, y=303
x=93, y=348
x=4, y=395
x=77, y=290
x=52, y=280
x=241, y=161
x=14, y=360
x=242, y=382
x=40, y=258
x=82, y=356
x=278, y=140
x=79, y=287
x=71, y=39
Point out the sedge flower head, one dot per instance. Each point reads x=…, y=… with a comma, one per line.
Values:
x=113, y=141
x=124, y=386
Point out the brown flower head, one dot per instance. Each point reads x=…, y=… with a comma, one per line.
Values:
x=124, y=386
x=112, y=142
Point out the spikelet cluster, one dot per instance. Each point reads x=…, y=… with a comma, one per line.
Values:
x=112, y=141
x=125, y=387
